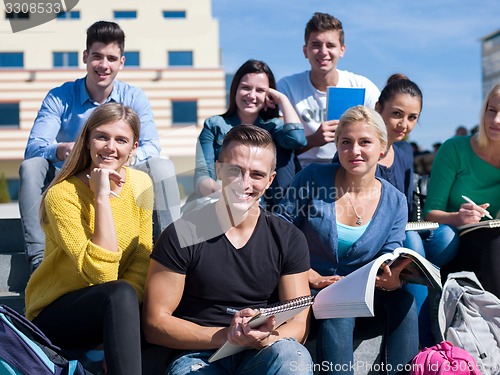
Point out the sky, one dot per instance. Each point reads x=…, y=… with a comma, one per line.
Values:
x=437, y=44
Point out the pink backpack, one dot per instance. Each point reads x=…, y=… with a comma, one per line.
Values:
x=443, y=359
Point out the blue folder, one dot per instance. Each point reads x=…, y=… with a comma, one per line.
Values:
x=340, y=99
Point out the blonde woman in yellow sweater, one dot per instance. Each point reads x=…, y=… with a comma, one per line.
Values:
x=97, y=218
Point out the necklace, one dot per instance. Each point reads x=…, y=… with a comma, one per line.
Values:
x=359, y=221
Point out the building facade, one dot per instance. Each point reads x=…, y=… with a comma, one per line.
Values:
x=172, y=53
x=490, y=58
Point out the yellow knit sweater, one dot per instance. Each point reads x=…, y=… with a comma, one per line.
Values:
x=71, y=261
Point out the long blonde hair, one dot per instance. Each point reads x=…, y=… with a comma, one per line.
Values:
x=79, y=158
x=482, y=138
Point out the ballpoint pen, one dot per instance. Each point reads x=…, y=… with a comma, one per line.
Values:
x=486, y=213
x=231, y=311
x=111, y=191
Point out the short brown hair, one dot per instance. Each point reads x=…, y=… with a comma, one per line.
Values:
x=250, y=135
x=320, y=22
x=106, y=32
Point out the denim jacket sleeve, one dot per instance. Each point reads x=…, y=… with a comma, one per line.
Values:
x=309, y=205
x=293, y=204
x=208, y=147
x=290, y=136
x=399, y=212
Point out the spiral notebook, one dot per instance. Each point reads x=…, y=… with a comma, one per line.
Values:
x=282, y=312
x=421, y=225
x=495, y=223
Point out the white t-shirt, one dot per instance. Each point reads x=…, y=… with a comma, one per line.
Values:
x=310, y=104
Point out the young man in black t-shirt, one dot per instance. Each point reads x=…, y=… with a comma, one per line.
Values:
x=230, y=254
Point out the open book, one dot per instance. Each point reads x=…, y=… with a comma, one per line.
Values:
x=340, y=99
x=352, y=296
x=282, y=312
x=495, y=223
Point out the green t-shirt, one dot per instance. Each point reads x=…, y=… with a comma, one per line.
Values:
x=457, y=171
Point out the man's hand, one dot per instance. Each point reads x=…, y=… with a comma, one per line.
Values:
x=240, y=332
x=324, y=134
x=63, y=150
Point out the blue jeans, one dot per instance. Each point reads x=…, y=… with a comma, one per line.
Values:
x=284, y=356
x=400, y=342
x=35, y=175
x=441, y=244
x=414, y=242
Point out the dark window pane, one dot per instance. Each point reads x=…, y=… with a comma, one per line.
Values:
x=174, y=14
x=132, y=58
x=73, y=59
x=11, y=59
x=125, y=14
x=65, y=59
x=72, y=15
x=180, y=58
x=9, y=115
x=184, y=112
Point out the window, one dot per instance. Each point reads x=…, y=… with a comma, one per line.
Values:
x=180, y=58
x=17, y=16
x=132, y=58
x=72, y=15
x=9, y=115
x=174, y=14
x=64, y=59
x=11, y=59
x=184, y=112
x=125, y=14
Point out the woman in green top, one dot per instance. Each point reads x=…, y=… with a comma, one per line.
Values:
x=469, y=166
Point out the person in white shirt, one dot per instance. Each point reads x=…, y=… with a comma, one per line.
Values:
x=324, y=46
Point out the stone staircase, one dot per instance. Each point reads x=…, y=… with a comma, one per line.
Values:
x=14, y=270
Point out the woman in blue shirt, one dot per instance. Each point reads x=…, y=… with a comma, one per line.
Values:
x=253, y=99
x=400, y=104
x=350, y=217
